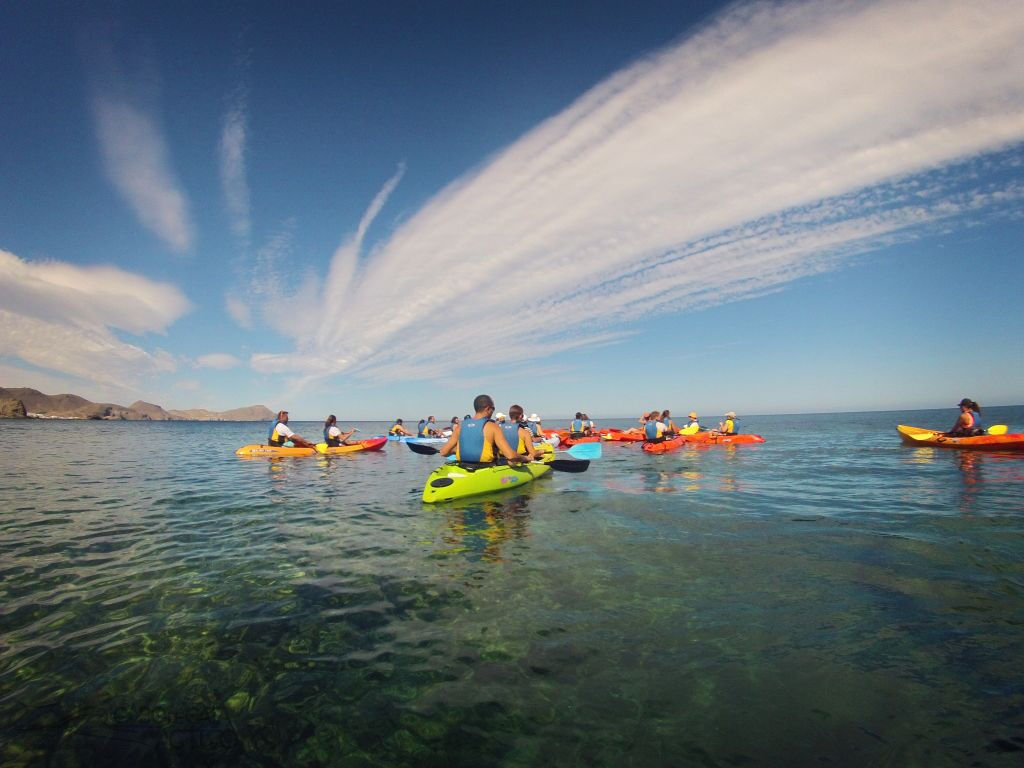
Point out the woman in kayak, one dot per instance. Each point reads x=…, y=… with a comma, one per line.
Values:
x=398, y=430
x=670, y=426
x=279, y=433
x=728, y=427
x=968, y=423
x=478, y=440
x=534, y=426
x=334, y=436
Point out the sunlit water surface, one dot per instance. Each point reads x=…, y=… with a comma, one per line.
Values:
x=830, y=597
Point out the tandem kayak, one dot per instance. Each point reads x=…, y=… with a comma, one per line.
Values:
x=918, y=436
x=701, y=438
x=456, y=481
x=623, y=437
x=372, y=444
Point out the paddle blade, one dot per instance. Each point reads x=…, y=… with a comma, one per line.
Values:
x=569, y=465
x=321, y=447
x=585, y=451
x=426, y=450
x=997, y=429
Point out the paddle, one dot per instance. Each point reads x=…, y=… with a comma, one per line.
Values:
x=322, y=447
x=558, y=465
x=995, y=429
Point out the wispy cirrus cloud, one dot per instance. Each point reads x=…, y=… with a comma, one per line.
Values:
x=134, y=150
x=61, y=317
x=769, y=146
x=218, y=360
x=232, y=164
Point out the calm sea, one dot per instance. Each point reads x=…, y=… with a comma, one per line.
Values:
x=831, y=597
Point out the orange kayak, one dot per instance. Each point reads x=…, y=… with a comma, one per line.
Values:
x=716, y=438
x=617, y=436
x=918, y=436
x=664, y=446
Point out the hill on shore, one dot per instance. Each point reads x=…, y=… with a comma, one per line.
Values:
x=74, y=407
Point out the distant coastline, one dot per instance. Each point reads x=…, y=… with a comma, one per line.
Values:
x=23, y=402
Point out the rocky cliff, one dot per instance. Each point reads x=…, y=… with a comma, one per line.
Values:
x=12, y=409
x=74, y=407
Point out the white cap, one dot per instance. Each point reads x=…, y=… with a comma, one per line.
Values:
x=499, y=416
x=534, y=417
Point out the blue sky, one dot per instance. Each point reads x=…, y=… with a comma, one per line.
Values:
x=383, y=211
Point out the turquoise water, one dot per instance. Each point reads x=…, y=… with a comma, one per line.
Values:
x=830, y=597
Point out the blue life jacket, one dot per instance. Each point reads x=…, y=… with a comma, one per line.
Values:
x=471, y=446
x=326, y=438
x=576, y=427
x=511, y=430
x=651, y=431
x=535, y=429
x=976, y=417
x=423, y=430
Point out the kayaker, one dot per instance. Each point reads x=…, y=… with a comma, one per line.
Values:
x=517, y=434
x=728, y=427
x=535, y=427
x=968, y=423
x=447, y=431
x=334, y=436
x=577, y=427
x=479, y=440
x=398, y=430
x=654, y=429
x=279, y=433
x=670, y=426
x=428, y=428
x=588, y=425
x=692, y=426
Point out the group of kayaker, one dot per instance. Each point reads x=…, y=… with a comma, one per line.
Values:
x=657, y=426
x=581, y=426
x=280, y=433
x=480, y=439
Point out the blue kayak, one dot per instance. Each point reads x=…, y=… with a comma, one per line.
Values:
x=418, y=440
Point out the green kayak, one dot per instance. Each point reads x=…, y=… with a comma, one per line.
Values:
x=453, y=481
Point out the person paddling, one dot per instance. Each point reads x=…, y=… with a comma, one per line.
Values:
x=333, y=436
x=517, y=433
x=728, y=427
x=670, y=426
x=578, y=427
x=968, y=423
x=654, y=429
x=279, y=433
x=534, y=425
x=692, y=426
x=479, y=440
x=398, y=430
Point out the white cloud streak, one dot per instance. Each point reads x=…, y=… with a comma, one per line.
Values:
x=218, y=360
x=60, y=317
x=232, y=166
x=768, y=147
x=136, y=161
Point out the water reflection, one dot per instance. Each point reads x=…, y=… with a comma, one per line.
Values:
x=479, y=530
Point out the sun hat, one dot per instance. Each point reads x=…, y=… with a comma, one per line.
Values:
x=693, y=414
x=730, y=414
x=534, y=417
x=499, y=416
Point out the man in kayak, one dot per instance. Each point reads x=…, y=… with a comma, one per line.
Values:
x=654, y=429
x=517, y=434
x=692, y=426
x=728, y=427
x=279, y=433
x=968, y=423
x=578, y=427
x=479, y=440
x=429, y=428
x=334, y=436
x=398, y=430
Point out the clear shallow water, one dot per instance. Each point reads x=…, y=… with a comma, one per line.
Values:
x=830, y=597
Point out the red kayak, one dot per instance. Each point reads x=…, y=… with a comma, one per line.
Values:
x=664, y=446
x=716, y=438
x=571, y=441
